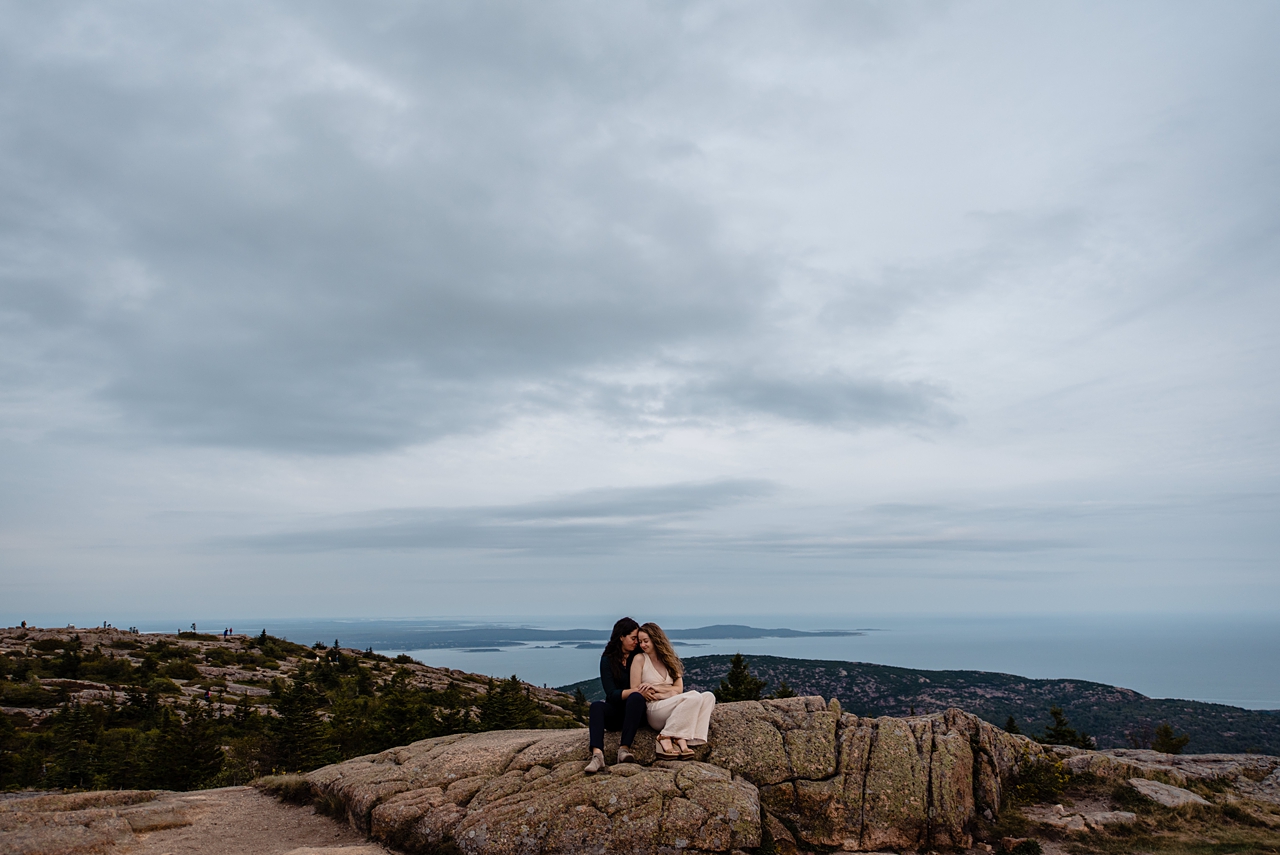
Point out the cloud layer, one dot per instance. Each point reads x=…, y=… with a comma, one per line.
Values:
x=726, y=285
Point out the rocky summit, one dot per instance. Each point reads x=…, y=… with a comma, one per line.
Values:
x=777, y=777
x=786, y=769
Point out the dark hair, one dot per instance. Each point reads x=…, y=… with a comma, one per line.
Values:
x=613, y=649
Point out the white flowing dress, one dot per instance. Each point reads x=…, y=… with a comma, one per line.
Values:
x=685, y=716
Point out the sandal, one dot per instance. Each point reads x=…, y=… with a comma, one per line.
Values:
x=667, y=752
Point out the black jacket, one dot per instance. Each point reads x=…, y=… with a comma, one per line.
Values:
x=612, y=681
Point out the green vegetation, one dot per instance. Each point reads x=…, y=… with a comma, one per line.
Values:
x=329, y=707
x=1037, y=781
x=1062, y=733
x=739, y=684
x=1166, y=741
x=1218, y=829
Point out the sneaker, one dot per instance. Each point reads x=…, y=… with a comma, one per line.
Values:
x=596, y=764
x=625, y=755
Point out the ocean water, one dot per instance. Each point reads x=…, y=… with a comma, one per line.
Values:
x=1228, y=660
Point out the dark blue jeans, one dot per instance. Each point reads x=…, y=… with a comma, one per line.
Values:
x=626, y=716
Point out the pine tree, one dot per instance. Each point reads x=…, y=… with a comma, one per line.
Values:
x=784, y=690
x=300, y=741
x=508, y=706
x=1011, y=726
x=403, y=715
x=201, y=746
x=1062, y=733
x=580, y=708
x=739, y=684
x=1168, y=743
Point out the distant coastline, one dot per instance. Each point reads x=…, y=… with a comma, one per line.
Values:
x=1117, y=717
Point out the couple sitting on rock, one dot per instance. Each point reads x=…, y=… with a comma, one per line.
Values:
x=643, y=680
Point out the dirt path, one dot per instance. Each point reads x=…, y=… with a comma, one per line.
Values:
x=229, y=821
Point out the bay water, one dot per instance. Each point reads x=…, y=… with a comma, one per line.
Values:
x=1222, y=659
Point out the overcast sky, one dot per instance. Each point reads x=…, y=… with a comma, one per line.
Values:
x=391, y=309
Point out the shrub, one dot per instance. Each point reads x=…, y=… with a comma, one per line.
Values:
x=1125, y=797
x=1038, y=781
x=181, y=670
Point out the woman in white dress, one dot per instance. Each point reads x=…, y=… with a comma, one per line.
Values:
x=681, y=718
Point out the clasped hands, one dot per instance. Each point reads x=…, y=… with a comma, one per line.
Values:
x=650, y=692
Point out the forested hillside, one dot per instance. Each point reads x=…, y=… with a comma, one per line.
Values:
x=1116, y=717
x=102, y=708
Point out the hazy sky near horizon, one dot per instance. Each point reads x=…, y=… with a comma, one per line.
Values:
x=716, y=308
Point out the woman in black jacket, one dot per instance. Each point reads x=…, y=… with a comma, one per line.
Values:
x=623, y=707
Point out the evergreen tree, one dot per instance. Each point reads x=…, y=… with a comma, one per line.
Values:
x=739, y=684
x=75, y=729
x=784, y=690
x=1062, y=733
x=68, y=664
x=1011, y=726
x=9, y=747
x=164, y=763
x=201, y=746
x=299, y=731
x=1167, y=742
x=453, y=713
x=508, y=706
x=403, y=715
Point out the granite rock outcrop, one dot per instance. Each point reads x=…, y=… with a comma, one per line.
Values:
x=799, y=767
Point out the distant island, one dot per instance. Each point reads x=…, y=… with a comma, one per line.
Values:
x=1116, y=717
x=394, y=635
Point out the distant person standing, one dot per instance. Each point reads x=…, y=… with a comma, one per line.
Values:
x=623, y=708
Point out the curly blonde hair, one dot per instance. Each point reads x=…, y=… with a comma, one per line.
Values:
x=663, y=650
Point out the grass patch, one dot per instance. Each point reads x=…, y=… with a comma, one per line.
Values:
x=292, y=789
x=1221, y=841
x=327, y=804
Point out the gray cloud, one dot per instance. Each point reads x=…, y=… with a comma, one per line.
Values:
x=375, y=236
x=603, y=520
x=886, y=291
